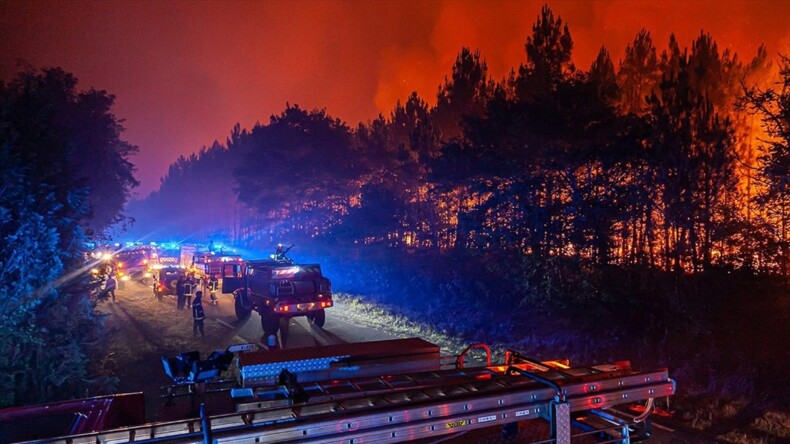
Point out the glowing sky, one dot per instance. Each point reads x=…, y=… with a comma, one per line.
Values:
x=184, y=72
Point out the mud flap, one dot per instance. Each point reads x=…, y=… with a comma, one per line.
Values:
x=561, y=422
x=232, y=278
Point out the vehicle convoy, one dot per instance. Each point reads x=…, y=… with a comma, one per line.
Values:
x=277, y=288
x=384, y=391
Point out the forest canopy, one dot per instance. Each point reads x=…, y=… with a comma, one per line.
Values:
x=647, y=162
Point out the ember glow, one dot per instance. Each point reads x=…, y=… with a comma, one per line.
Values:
x=185, y=72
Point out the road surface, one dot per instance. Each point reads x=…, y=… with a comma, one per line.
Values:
x=294, y=332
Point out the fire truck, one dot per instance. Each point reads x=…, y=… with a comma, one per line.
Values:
x=135, y=261
x=384, y=391
x=277, y=288
x=205, y=265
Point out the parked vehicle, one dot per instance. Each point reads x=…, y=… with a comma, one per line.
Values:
x=277, y=289
x=165, y=279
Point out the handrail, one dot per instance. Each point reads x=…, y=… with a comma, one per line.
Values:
x=460, y=361
x=559, y=393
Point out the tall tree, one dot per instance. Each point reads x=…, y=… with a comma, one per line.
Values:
x=301, y=164
x=773, y=107
x=602, y=76
x=548, y=56
x=466, y=93
x=47, y=199
x=695, y=158
x=71, y=140
x=639, y=74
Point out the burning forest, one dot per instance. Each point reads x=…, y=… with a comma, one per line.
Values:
x=636, y=208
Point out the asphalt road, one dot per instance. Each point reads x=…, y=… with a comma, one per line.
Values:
x=294, y=332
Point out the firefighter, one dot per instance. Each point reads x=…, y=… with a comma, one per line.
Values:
x=279, y=253
x=181, y=291
x=189, y=289
x=109, y=286
x=213, y=286
x=198, y=315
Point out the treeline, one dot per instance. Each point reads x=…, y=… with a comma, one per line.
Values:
x=65, y=178
x=676, y=160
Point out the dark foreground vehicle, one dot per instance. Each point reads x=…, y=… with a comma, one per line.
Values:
x=165, y=280
x=277, y=289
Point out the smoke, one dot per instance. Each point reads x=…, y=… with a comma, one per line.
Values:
x=185, y=72
x=499, y=29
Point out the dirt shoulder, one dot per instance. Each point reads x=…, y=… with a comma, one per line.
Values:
x=141, y=330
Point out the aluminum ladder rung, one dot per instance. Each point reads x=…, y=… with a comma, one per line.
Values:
x=433, y=395
x=393, y=423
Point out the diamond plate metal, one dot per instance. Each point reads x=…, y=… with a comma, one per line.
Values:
x=562, y=422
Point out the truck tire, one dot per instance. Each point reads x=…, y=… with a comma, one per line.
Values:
x=270, y=322
x=318, y=318
x=242, y=312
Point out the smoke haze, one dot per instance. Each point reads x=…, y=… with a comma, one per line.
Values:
x=185, y=72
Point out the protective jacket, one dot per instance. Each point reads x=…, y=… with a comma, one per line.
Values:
x=197, y=311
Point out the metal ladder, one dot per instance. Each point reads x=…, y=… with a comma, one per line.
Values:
x=410, y=406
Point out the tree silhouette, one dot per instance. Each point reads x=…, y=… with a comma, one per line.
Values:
x=773, y=107
x=548, y=56
x=66, y=173
x=301, y=165
x=639, y=74
x=603, y=77
x=695, y=159
x=465, y=94
x=70, y=140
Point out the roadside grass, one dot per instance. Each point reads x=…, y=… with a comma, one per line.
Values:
x=773, y=426
x=390, y=318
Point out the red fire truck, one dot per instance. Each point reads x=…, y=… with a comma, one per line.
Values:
x=205, y=265
x=135, y=261
x=398, y=390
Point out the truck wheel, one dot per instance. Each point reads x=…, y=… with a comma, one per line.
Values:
x=270, y=322
x=318, y=318
x=242, y=312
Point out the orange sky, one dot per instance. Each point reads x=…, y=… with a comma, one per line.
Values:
x=184, y=72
